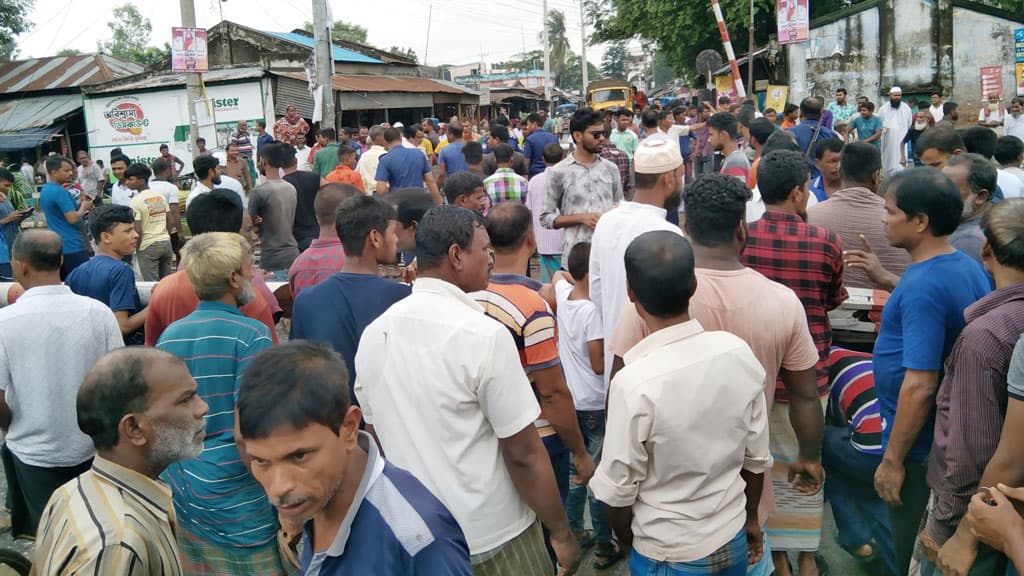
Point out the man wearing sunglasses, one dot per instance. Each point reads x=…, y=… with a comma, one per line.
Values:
x=583, y=186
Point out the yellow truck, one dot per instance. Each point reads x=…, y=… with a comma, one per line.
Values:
x=609, y=93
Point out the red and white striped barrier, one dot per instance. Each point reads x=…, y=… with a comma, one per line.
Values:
x=736, y=79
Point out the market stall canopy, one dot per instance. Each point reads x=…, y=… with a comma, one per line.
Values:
x=28, y=122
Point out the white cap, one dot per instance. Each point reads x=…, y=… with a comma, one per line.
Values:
x=895, y=90
x=398, y=125
x=657, y=156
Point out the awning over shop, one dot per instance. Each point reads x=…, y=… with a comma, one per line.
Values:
x=27, y=122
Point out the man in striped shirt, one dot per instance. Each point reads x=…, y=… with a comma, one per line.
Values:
x=226, y=525
x=141, y=409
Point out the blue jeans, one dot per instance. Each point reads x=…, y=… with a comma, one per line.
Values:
x=560, y=463
x=592, y=427
x=850, y=489
x=731, y=560
x=5, y=272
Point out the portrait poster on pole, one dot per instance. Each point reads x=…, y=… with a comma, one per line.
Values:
x=794, y=21
x=189, y=50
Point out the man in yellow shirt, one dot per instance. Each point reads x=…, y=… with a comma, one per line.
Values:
x=156, y=258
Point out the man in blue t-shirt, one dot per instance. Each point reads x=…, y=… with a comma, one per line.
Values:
x=404, y=167
x=106, y=277
x=330, y=483
x=920, y=322
x=63, y=213
x=450, y=160
x=867, y=126
x=338, y=309
x=536, y=139
x=810, y=123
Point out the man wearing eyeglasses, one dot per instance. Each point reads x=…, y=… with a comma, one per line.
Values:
x=583, y=186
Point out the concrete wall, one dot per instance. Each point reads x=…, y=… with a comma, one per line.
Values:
x=844, y=54
x=980, y=40
x=909, y=57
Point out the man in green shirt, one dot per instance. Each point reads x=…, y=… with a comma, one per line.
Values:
x=326, y=159
x=622, y=137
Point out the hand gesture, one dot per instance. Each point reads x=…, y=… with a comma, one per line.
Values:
x=585, y=467
x=590, y=220
x=889, y=481
x=807, y=475
x=997, y=524
x=867, y=261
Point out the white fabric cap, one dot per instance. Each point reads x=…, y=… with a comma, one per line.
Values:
x=657, y=156
x=895, y=90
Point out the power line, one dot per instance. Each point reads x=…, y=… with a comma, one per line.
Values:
x=67, y=8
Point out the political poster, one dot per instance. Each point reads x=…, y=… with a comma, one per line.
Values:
x=189, y=50
x=725, y=87
x=991, y=81
x=794, y=21
x=1018, y=45
x=776, y=98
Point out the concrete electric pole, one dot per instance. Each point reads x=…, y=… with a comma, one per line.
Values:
x=188, y=20
x=583, y=50
x=547, y=60
x=324, y=61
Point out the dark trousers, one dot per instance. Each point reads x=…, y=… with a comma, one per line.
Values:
x=905, y=520
x=6, y=274
x=72, y=261
x=30, y=488
x=560, y=461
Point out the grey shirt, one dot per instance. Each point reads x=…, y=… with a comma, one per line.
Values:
x=1015, y=376
x=274, y=202
x=968, y=238
x=575, y=188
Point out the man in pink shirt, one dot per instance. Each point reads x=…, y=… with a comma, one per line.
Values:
x=549, y=241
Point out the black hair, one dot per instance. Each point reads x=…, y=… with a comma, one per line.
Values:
x=1003, y=226
x=274, y=154
x=507, y=224
x=584, y=118
x=869, y=106
x=980, y=140
x=441, y=228
x=858, y=162
x=288, y=154
x=948, y=107
x=454, y=130
x=1009, y=150
x=499, y=132
x=500, y=120
x=40, y=249
x=164, y=147
x=503, y=153
x=473, y=152
x=330, y=134
x=725, y=122
x=780, y=140
x=779, y=172
x=553, y=153
x=200, y=139
x=461, y=184
x=138, y=170
x=624, y=111
x=789, y=109
x=981, y=173
x=328, y=198
x=392, y=134
x=724, y=100
x=410, y=204
x=578, y=261
x=660, y=273
x=535, y=118
x=160, y=166
x=6, y=175
x=928, y=192
x=409, y=131
x=105, y=218
x=202, y=166
x=345, y=150
x=761, y=129
x=827, y=145
x=715, y=205
x=945, y=139
x=843, y=90
x=219, y=210
x=649, y=118
x=810, y=108
x=262, y=123
x=293, y=385
x=54, y=163
x=745, y=116
x=357, y=217
x=120, y=158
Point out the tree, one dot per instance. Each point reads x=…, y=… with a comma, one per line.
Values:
x=531, y=60
x=69, y=52
x=13, y=21
x=405, y=53
x=131, y=33
x=663, y=72
x=560, y=50
x=347, y=31
x=572, y=79
x=613, y=65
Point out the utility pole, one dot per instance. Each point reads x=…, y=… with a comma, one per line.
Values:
x=188, y=20
x=583, y=49
x=547, y=59
x=324, y=62
x=430, y=14
x=750, y=57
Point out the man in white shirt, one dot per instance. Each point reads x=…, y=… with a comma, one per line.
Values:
x=458, y=411
x=1013, y=123
x=692, y=402
x=1009, y=154
x=160, y=182
x=936, y=108
x=896, y=120
x=992, y=113
x=49, y=339
x=368, y=162
x=89, y=177
x=208, y=177
x=659, y=172
x=119, y=193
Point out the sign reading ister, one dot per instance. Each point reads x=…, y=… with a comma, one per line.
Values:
x=225, y=102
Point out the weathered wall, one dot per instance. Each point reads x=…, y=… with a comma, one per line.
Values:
x=844, y=54
x=909, y=57
x=980, y=40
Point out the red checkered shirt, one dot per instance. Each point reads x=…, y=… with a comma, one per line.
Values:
x=807, y=259
x=316, y=264
x=621, y=161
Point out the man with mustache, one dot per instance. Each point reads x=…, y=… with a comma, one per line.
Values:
x=226, y=525
x=143, y=413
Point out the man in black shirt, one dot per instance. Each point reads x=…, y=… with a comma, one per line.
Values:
x=306, y=184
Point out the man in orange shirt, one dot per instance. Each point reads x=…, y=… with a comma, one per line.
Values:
x=344, y=173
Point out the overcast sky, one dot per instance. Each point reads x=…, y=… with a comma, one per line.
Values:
x=460, y=30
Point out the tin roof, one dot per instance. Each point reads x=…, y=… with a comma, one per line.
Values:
x=167, y=79
x=62, y=72
x=368, y=83
x=340, y=54
x=37, y=111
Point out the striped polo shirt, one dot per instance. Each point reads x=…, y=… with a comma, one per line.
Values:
x=853, y=401
x=512, y=299
x=215, y=496
x=109, y=520
x=393, y=527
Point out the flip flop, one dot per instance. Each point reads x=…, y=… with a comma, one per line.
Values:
x=585, y=539
x=605, y=558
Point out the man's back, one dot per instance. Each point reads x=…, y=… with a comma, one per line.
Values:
x=49, y=339
x=275, y=203
x=55, y=202
x=534, y=149
x=325, y=160
x=452, y=159
x=216, y=343
x=440, y=411
x=854, y=211
x=109, y=520
x=505, y=185
x=403, y=167
x=306, y=185
x=737, y=164
x=150, y=208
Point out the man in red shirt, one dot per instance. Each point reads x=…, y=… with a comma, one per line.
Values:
x=325, y=255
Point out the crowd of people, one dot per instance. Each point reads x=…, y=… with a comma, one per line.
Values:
x=671, y=365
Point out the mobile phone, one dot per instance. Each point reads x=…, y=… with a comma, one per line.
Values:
x=987, y=495
x=29, y=210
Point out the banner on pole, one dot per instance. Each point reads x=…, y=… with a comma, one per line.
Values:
x=776, y=97
x=189, y=50
x=991, y=81
x=794, y=21
x=1020, y=78
x=725, y=87
x=1018, y=44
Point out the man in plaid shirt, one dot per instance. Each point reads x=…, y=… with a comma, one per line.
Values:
x=505, y=185
x=325, y=255
x=617, y=157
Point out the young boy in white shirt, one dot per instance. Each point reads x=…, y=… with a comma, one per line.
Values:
x=581, y=348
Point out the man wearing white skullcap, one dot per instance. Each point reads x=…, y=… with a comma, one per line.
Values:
x=896, y=120
x=659, y=172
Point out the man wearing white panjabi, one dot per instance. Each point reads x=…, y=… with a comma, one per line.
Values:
x=896, y=119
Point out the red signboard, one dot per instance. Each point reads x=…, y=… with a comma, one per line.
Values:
x=794, y=21
x=991, y=81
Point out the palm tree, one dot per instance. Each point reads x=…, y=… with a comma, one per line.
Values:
x=560, y=49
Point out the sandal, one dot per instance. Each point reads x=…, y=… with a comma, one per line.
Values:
x=585, y=538
x=606, y=554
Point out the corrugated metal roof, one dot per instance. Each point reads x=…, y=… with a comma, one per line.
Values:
x=367, y=83
x=36, y=112
x=61, y=72
x=340, y=54
x=171, y=79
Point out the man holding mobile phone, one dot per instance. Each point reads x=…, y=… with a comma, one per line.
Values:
x=10, y=222
x=63, y=213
